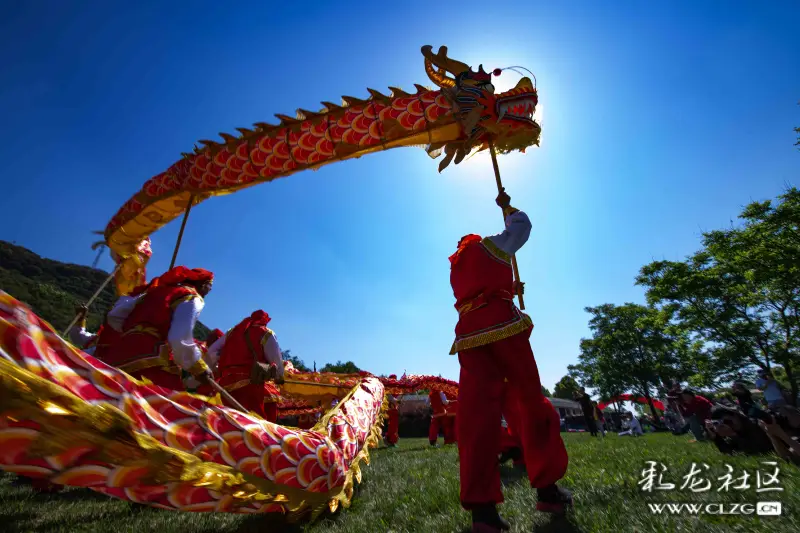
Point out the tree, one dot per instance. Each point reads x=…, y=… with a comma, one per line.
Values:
x=797, y=131
x=565, y=387
x=296, y=361
x=545, y=392
x=53, y=289
x=740, y=294
x=341, y=368
x=633, y=347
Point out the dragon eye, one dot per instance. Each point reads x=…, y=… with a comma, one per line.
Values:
x=488, y=87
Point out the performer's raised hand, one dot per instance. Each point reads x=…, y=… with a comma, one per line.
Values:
x=503, y=200
x=82, y=311
x=205, y=378
x=519, y=288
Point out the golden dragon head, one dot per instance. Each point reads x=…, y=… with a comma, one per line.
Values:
x=506, y=118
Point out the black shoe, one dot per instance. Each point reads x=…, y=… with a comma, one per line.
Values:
x=553, y=499
x=487, y=515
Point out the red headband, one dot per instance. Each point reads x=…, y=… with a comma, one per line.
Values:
x=465, y=241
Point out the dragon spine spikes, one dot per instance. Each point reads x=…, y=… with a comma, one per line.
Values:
x=262, y=128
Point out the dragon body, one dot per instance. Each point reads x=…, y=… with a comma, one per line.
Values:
x=455, y=119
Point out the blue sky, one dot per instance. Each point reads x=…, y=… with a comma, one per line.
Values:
x=661, y=119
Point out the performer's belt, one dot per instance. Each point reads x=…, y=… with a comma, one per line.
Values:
x=483, y=299
x=146, y=330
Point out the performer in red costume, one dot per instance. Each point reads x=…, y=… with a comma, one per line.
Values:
x=95, y=344
x=306, y=420
x=241, y=356
x=155, y=326
x=439, y=418
x=392, y=432
x=451, y=415
x=492, y=342
x=213, y=336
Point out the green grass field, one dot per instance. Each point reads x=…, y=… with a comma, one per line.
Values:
x=414, y=488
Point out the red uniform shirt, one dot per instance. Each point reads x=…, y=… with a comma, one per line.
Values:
x=143, y=343
x=436, y=403
x=483, y=284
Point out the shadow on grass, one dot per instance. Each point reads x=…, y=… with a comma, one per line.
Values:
x=64, y=496
x=512, y=475
x=557, y=524
x=261, y=523
x=380, y=451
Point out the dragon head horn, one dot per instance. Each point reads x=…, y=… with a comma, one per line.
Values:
x=438, y=65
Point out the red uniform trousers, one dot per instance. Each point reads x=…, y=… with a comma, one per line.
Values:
x=450, y=436
x=306, y=422
x=392, y=432
x=509, y=436
x=252, y=398
x=440, y=423
x=481, y=388
x=271, y=411
x=160, y=378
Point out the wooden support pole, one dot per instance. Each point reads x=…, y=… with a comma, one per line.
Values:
x=180, y=234
x=227, y=395
x=500, y=190
x=92, y=299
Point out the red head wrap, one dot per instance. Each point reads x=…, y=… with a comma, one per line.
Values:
x=214, y=336
x=181, y=274
x=258, y=318
x=176, y=276
x=465, y=241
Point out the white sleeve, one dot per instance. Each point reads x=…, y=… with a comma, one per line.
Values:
x=181, y=333
x=116, y=317
x=443, y=397
x=79, y=336
x=518, y=229
x=272, y=353
x=212, y=356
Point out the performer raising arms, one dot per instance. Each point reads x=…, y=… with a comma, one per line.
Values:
x=79, y=336
x=157, y=329
x=247, y=356
x=492, y=342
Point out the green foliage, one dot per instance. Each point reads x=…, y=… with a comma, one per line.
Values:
x=296, y=361
x=341, y=368
x=53, y=289
x=565, y=387
x=633, y=348
x=740, y=294
x=545, y=392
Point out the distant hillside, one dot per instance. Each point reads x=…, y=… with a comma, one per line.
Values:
x=54, y=289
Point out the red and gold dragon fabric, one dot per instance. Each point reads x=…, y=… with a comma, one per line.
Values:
x=73, y=420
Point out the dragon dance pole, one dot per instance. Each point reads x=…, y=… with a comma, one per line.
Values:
x=227, y=395
x=499, y=191
x=180, y=233
x=92, y=299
